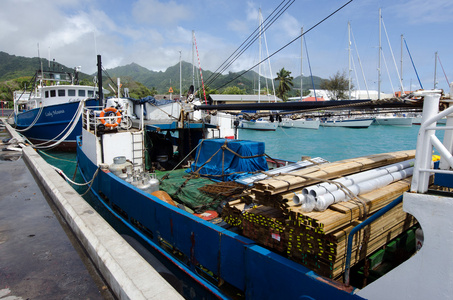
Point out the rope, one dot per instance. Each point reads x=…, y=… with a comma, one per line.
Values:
x=250, y=40
x=394, y=62
x=59, y=171
x=446, y=78
x=289, y=43
x=48, y=155
x=91, y=182
x=169, y=115
x=168, y=174
x=32, y=123
x=413, y=65
x=240, y=156
x=72, y=123
x=311, y=74
x=223, y=147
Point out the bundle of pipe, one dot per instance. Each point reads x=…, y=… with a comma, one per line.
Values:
x=328, y=193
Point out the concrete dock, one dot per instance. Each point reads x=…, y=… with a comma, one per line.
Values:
x=53, y=245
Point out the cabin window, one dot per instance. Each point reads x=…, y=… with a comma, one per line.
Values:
x=90, y=94
x=53, y=93
x=81, y=93
x=61, y=93
x=46, y=94
x=71, y=93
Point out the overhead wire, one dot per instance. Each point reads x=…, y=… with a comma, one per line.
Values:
x=289, y=43
x=445, y=74
x=251, y=39
x=253, y=36
x=393, y=57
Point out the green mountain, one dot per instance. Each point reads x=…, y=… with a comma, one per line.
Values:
x=162, y=81
x=12, y=67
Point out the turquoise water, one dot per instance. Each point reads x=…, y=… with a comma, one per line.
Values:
x=334, y=143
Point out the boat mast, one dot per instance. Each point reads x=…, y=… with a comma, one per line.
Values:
x=435, y=70
x=259, y=58
x=301, y=55
x=101, y=96
x=379, y=57
x=349, y=60
x=402, y=89
x=180, y=76
x=193, y=59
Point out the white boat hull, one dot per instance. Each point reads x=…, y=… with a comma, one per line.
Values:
x=394, y=121
x=350, y=123
x=305, y=124
x=259, y=125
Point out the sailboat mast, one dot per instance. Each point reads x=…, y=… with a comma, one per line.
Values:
x=379, y=59
x=180, y=76
x=259, y=59
x=349, y=60
x=193, y=58
x=301, y=65
x=435, y=70
x=402, y=89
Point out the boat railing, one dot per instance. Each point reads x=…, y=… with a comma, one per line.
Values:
x=427, y=141
x=93, y=116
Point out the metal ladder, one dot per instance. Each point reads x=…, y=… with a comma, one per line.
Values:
x=137, y=149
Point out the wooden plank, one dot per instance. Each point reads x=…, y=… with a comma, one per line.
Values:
x=284, y=182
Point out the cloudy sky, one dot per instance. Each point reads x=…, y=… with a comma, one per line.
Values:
x=152, y=33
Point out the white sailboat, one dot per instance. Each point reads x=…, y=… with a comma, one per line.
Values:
x=393, y=120
x=347, y=122
x=300, y=123
x=259, y=124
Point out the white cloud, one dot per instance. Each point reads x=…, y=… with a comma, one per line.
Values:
x=163, y=14
x=288, y=27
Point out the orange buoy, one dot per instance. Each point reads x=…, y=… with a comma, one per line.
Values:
x=108, y=111
x=208, y=215
x=164, y=196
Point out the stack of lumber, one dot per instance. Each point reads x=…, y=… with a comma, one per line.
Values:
x=272, y=192
x=266, y=225
x=318, y=240
x=232, y=214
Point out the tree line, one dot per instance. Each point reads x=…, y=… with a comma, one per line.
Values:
x=336, y=86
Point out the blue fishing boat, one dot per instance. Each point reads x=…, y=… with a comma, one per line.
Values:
x=234, y=227
x=49, y=114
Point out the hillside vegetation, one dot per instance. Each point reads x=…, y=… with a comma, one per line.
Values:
x=17, y=71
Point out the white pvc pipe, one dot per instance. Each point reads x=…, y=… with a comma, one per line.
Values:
x=322, y=188
x=298, y=199
x=307, y=201
x=323, y=201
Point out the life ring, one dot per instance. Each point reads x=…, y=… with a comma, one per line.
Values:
x=109, y=111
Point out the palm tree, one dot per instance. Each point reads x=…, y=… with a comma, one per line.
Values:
x=285, y=83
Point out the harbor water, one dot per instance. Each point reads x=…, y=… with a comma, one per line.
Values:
x=334, y=143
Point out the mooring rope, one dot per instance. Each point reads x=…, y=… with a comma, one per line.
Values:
x=71, y=125
x=32, y=123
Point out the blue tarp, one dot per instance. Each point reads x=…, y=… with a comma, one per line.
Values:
x=152, y=100
x=223, y=164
